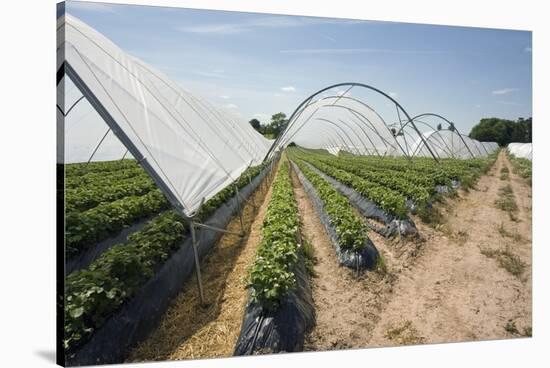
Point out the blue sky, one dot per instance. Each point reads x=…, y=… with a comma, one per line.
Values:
x=260, y=64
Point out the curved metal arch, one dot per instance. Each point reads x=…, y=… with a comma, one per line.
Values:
x=291, y=120
x=356, y=114
x=450, y=123
x=368, y=120
x=440, y=144
x=443, y=142
x=342, y=130
x=330, y=129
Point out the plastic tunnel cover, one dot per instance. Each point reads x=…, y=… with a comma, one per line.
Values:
x=190, y=147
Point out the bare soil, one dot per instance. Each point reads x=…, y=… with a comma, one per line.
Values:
x=447, y=286
x=454, y=291
x=191, y=331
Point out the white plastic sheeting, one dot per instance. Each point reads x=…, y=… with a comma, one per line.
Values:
x=521, y=150
x=344, y=121
x=341, y=123
x=451, y=144
x=444, y=143
x=192, y=149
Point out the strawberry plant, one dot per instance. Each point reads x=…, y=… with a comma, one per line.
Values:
x=93, y=294
x=271, y=275
x=351, y=231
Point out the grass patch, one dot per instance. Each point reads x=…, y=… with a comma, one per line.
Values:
x=506, y=201
x=507, y=260
x=511, y=328
x=506, y=234
x=521, y=167
x=431, y=216
x=504, y=173
x=381, y=266
x=404, y=334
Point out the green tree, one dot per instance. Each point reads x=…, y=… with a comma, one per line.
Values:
x=256, y=124
x=278, y=122
x=503, y=131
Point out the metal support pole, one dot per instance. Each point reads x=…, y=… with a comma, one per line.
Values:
x=197, y=265
x=252, y=195
x=97, y=147
x=240, y=209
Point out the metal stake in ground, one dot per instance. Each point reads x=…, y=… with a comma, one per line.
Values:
x=240, y=209
x=197, y=265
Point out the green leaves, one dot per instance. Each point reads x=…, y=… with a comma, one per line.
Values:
x=351, y=231
x=390, y=181
x=92, y=295
x=271, y=276
x=89, y=227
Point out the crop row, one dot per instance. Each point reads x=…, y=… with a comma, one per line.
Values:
x=420, y=194
x=351, y=231
x=521, y=166
x=99, y=166
x=388, y=199
x=84, y=197
x=465, y=171
x=96, y=178
x=88, y=227
x=271, y=274
x=93, y=294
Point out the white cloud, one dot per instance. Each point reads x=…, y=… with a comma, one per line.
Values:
x=230, y=106
x=288, y=89
x=393, y=94
x=478, y=106
x=262, y=22
x=528, y=49
x=225, y=97
x=504, y=91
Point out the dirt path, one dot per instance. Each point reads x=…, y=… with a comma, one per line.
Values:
x=457, y=290
x=346, y=307
x=189, y=331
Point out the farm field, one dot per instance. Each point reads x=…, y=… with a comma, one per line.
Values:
x=463, y=273
x=235, y=184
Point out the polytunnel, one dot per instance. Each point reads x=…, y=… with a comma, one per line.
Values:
x=521, y=150
x=342, y=117
x=112, y=105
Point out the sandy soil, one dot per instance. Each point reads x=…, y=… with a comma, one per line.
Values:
x=454, y=292
x=439, y=288
x=189, y=331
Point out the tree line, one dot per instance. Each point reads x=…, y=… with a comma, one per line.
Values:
x=503, y=131
x=273, y=128
x=498, y=130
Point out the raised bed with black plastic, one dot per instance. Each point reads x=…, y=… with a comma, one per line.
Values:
x=85, y=258
x=357, y=260
x=280, y=309
x=137, y=317
x=394, y=225
x=282, y=330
